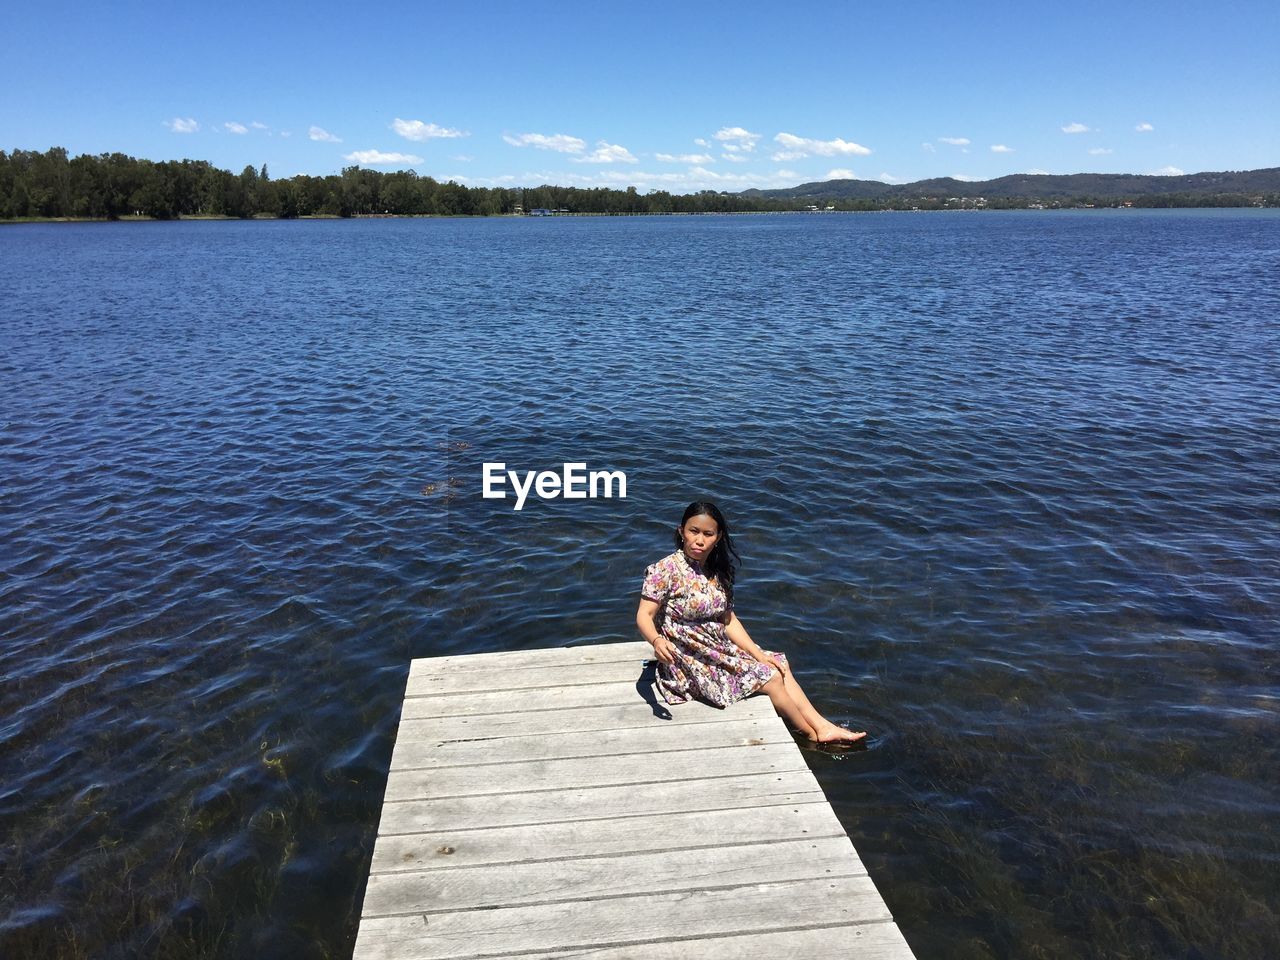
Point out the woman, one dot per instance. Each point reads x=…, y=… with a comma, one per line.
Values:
x=703, y=651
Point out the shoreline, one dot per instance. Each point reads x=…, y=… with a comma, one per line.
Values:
x=670, y=213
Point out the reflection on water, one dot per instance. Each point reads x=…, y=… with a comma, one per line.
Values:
x=1003, y=484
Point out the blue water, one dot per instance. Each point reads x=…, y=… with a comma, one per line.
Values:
x=1004, y=486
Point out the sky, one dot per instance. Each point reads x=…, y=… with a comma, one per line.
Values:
x=673, y=96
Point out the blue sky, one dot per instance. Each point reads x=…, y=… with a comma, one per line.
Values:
x=676, y=96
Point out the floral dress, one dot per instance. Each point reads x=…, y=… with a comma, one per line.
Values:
x=708, y=665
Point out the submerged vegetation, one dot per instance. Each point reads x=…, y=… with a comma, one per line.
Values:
x=52, y=185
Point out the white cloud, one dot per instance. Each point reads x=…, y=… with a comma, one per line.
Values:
x=684, y=157
x=955, y=141
x=286, y=133
x=503, y=180
x=841, y=173
x=607, y=153
x=182, y=125
x=1144, y=128
x=1037, y=172
x=741, y=181
x=1000, y=148
x=783, y=156
x=509, y=180
x=733, y=157
x=678, y=181
x=1075, y=128
x=376, y=158
x=928, y=148
x=805, y=146
x=703, y=142
x=419, y=131
x=734, y=139
x=558, y=142
x=323, y=135
x=890, y=178
x=1100, y=151
x=964, y=178
x=234, y=127
x=258, y=126
x=1170, y=171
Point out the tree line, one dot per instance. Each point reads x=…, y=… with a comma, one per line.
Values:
x=112, y=185
x=109, y=186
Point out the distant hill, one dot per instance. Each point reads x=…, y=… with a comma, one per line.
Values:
x=1102, y=186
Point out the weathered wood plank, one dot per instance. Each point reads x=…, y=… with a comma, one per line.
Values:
x=880, y=940
x=864, y=941
x=525, y=678
x=474, y=703
x=551, y=806
x=616, y=770
x=593, y=720
x=592, y=878
x=632, y=651
x=421, y=754
x=448, y=846
x=616, y=922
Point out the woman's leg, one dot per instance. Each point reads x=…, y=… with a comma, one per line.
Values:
x=787, y=708
x=825, y=730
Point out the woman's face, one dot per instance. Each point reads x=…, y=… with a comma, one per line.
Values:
x=700, y=534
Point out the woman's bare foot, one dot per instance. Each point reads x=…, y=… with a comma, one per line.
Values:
x=833, y=734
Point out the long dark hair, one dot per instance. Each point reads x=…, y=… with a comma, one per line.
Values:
x=721, y=562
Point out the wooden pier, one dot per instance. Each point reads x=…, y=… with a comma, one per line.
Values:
x=545, y=803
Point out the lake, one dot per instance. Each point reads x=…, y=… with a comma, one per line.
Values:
x=1004, y=486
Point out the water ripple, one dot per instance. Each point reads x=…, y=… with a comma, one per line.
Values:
x=1003, y=485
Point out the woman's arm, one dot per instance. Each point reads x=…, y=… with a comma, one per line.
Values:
x=662, y=647
x=736, y=632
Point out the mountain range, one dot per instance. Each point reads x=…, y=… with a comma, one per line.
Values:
x=1102, y=186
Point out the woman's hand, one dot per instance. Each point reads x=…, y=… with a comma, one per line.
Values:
x=777, y=662
x=646, y=623
x=664, y=649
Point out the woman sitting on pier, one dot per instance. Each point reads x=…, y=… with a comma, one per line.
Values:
x=703, y=651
